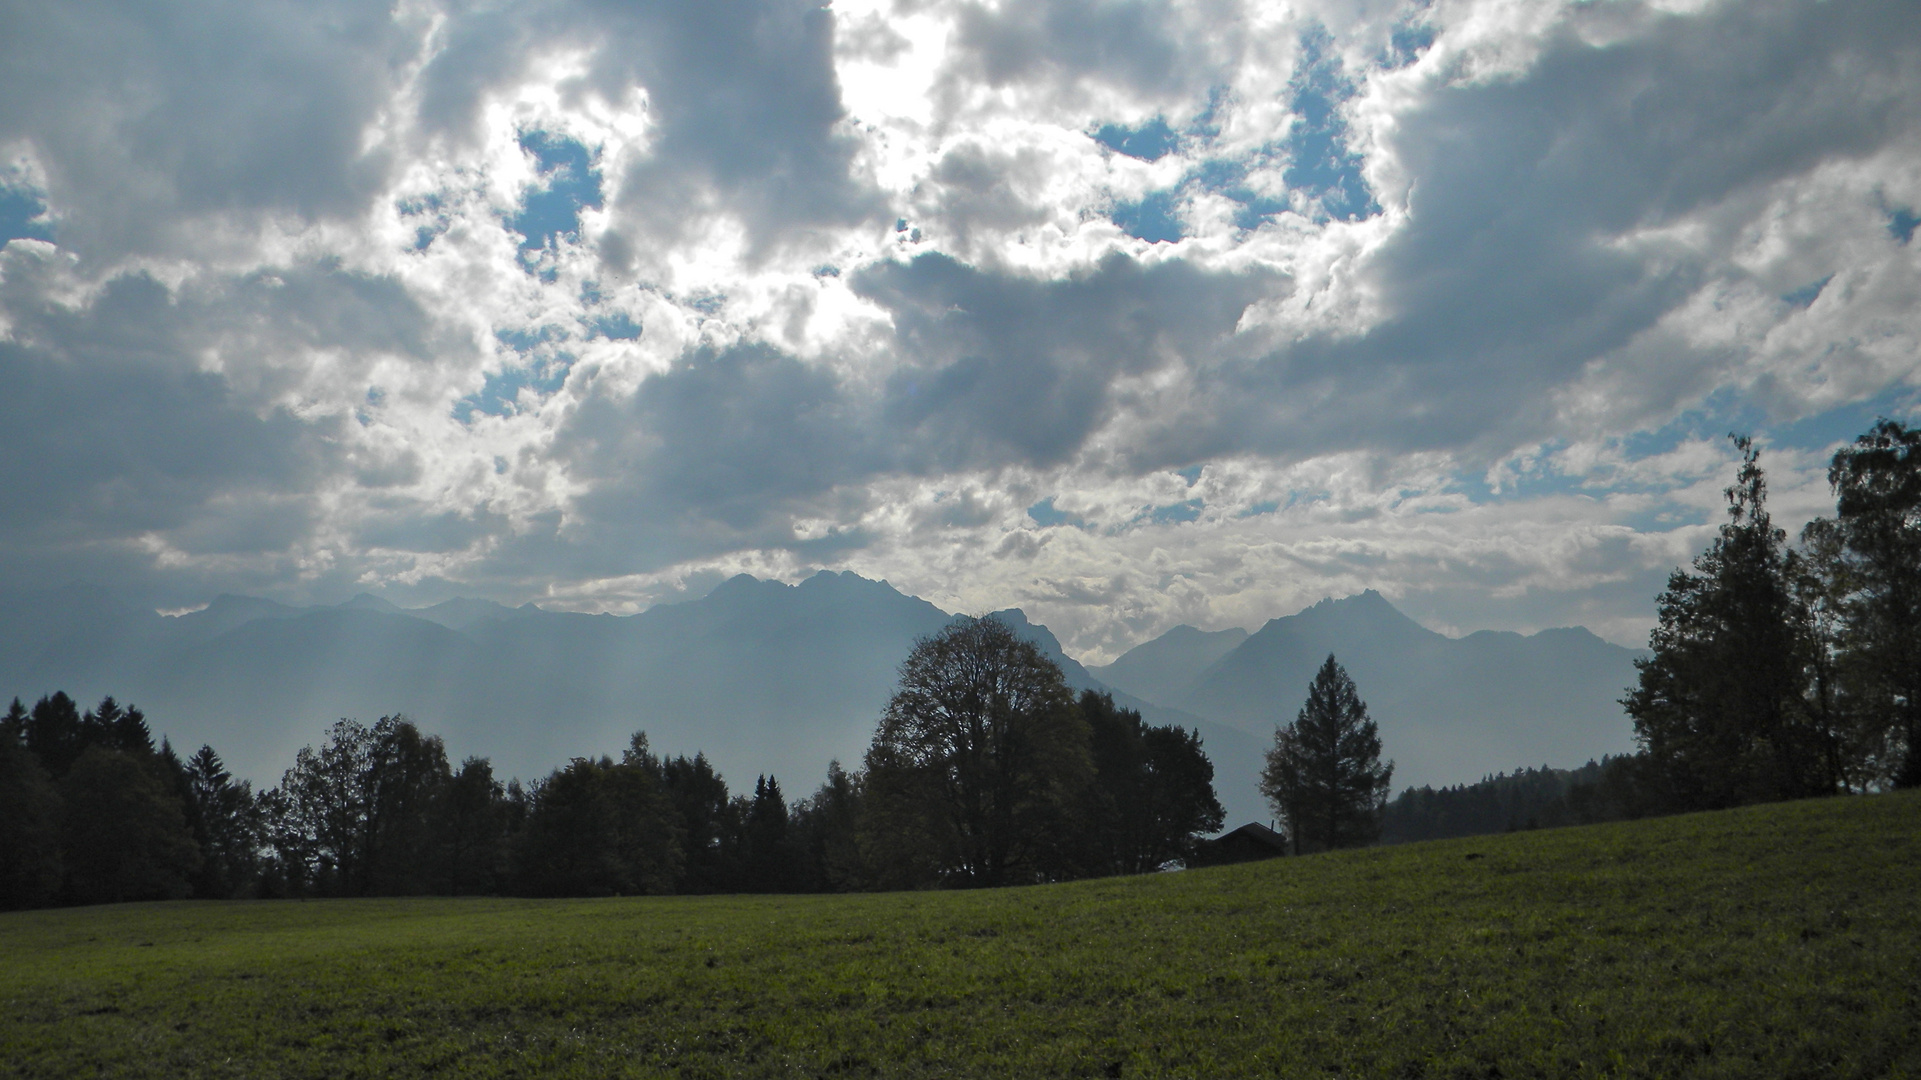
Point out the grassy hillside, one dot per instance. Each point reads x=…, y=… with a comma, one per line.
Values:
x=1772, y=941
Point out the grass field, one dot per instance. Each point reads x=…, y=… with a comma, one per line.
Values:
x=1771, y=941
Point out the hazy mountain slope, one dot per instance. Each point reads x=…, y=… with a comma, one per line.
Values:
x=1450, y=710
x=264, y=689
x=767, y=677
x=759, y=675
x=1162, y=669
x=461, y=613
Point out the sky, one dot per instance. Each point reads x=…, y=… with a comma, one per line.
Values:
x=1129, y=313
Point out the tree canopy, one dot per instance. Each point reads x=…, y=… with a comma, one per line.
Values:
x=978, y=756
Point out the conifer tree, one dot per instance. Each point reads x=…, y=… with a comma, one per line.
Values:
x=1720, y=706
x=767, y=863
x=1324, y=775
x=227, y=824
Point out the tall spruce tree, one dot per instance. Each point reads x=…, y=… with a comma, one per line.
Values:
x=767, y=861
x=55, y=733
x=1721, y=706
x=1324, y=775
x=227, y=823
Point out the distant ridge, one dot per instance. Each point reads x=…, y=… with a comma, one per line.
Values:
x=769, y=677
x=1451, y=709
x=1163, y=668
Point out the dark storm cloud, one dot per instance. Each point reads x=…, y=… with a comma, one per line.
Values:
x=110, y=432
x=714, y=453
x=113, y=428
x=742, y=93
x=997, y=368
x=147, y=118
x=723, y=449
x=974, y=189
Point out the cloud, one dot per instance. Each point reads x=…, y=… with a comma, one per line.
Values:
x=714, y=454
x=741, y=101
x=1136, y=313
x=999, y=368
x=155, y=125
x=1141, y=46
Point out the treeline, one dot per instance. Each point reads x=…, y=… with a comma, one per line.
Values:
x=1611, y=789
x=1011, y=779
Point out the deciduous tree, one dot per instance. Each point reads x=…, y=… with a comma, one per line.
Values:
x=1152, y=797
x=125, y=833
x=978, y=758
x=1876, y=539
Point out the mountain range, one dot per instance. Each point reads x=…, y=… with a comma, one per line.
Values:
x=1451, y=710
x=768, y=677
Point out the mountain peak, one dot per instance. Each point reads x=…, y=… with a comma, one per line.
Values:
x=370, y=602
x=1367, y=611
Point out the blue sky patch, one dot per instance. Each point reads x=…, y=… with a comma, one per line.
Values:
x=434, y=209
x=1228, y=178
x=1901, y=224
x=1406, y=43
x=1150, y=141
x=1046, y=516
x=543, y=369
x=23, y=215
x=614, y=326
x=1806, y=294
x=569, y=182
x=526, y=341
x=1176, y=514
x=1320, y=165
x=1154, y=219
x=499, y=394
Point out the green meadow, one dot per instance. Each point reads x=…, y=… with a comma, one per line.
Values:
x=1778, y=940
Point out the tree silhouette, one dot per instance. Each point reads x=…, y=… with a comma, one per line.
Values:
x=1153, y=792
x=227, y=825
x=1719, y=707
x=1323, y=774
x=596, y=828
x=126, y=837
x=1875, y=538
x=767, y=863
x=30, y=869
x=978, y=758
x=471, y=825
